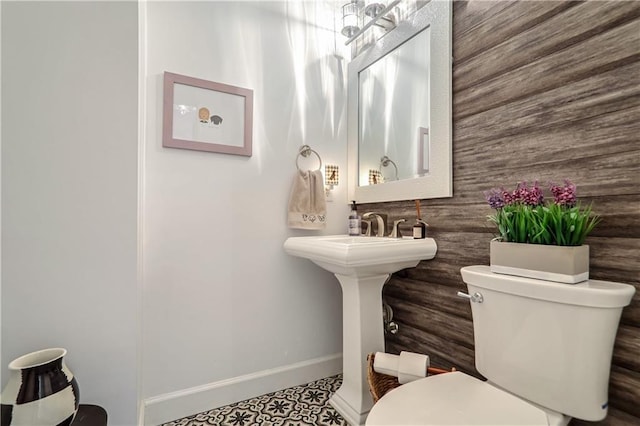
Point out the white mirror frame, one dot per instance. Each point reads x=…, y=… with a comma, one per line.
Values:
x=438, y=182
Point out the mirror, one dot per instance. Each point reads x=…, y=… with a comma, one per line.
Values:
x=393, y=102
x=399, y=112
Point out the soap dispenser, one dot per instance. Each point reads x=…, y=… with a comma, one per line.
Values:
x=420, y=227
x=354, y=221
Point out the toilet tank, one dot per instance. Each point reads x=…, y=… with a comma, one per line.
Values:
x=547, y=342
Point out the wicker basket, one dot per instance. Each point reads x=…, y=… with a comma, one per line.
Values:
x=380, y=384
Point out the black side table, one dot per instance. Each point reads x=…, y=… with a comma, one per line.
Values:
x=90, y=415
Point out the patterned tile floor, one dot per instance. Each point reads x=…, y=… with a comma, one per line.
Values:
x=297, y=406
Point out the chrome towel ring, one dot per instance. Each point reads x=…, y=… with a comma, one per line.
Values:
x=384, y=162
x=305, y=151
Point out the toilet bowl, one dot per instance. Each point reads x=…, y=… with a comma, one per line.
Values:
x=457, y=399
x=519, y=325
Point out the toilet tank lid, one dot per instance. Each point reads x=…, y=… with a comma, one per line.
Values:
x=594, y=293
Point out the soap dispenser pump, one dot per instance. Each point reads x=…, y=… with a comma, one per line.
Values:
x=354, y=221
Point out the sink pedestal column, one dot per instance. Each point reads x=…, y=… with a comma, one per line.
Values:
x=362, y=333
x=362, y=265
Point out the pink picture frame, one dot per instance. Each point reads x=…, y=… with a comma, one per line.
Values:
x=203, y=115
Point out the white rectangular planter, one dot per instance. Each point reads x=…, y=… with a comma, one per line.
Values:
x=564, y=264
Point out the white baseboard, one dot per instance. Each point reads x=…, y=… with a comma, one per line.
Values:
x=171, y=406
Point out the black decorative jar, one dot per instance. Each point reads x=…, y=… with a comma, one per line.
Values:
x=41, y=391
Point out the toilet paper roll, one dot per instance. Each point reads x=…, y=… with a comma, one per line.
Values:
x=384, y=363
x=411, y=366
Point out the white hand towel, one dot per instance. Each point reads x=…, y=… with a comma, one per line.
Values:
x=307, y=203
x=412, y=366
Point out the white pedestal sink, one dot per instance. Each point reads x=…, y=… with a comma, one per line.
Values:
x=362, y=266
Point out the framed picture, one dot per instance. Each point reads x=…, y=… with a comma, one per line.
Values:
x=206, y=116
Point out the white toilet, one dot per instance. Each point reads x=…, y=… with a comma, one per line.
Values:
x=544, y=347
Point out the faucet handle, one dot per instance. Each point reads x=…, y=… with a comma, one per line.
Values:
x=395, y=232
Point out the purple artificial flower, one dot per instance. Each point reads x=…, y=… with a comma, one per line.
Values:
x=520, y=193
x=530, y=196
x=564, y=195
x=494, y=198
x=508, y=197
x=533, y=196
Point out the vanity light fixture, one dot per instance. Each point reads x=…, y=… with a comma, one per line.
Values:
x=380, y=15
x=350, y=18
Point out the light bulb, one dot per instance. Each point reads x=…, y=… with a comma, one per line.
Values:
x=373, y=8
x=350, y=19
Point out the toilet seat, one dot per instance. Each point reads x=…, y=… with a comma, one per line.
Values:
x=454, y=399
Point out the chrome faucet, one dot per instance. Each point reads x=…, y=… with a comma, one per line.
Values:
x=367, y=233
x=381, y=220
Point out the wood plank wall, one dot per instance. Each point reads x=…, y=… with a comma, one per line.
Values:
x=542, y=90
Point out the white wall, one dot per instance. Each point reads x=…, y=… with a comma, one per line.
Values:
x=221, y=297
x=69, y=192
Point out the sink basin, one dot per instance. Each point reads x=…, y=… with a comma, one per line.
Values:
x=362, y=266
x=361, y=256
